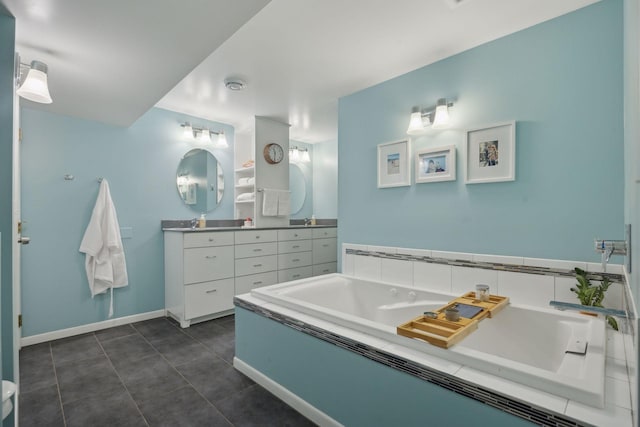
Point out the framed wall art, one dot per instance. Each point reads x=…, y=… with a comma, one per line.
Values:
x=393, y=164
x=490, y=154
x=436, y=164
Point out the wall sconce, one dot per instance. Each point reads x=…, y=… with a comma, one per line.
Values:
x=299, y=155
x=204, y=135
x=438, y=118
x=34, y=86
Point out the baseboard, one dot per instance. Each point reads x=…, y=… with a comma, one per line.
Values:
x=91, y=327
x=296, y=402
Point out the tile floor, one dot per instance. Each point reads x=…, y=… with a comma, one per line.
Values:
x=151, y=373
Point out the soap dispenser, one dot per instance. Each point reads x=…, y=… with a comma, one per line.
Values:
x=313, y=220
x=203, y=221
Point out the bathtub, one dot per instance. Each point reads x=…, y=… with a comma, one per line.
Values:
x=523, y=344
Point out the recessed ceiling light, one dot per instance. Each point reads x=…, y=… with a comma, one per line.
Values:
x=234, y=84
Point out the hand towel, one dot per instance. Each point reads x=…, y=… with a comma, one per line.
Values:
x=243, y=181
x=105, y=262
x=270, y=202
x=284, y=203
x=244, y=197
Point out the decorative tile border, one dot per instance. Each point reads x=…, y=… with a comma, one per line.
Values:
x=544, y=271
x=499, y=401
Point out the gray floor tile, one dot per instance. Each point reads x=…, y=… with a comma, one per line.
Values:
x=214, y=378
x=116, y=332
x=41, y=407
x=108, y=411
x=150, y=377
x=184, y=407
x=206, y=330
x=157, y=329
x=37, y=351
x=123, y=350
x=222, y=344
x=36, y=372
x=75, y=348
x=255, y=406
x=181, y=349
x=87, y=378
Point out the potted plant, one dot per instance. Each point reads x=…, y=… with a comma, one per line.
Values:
x=591, y=295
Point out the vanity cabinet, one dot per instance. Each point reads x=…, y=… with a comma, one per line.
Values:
x=205, y=269
x=199, y=274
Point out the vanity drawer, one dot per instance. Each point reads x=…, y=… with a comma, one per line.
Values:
x=294, y=246
x=205, y=264
x=295, y=234
x=256, y=236
x=244, y=284
x=327, y=268
x=261, y=264
x=296, y=259
x=321, y=233
x=199, y=239
x=202, y=299
x=294, y=274
x=325, y=250
x=256, y=249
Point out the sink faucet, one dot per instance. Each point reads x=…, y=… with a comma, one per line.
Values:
x=194, y=222
x=559, y=305
x=307, y=221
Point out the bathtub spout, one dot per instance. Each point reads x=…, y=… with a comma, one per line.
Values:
x=559, y=305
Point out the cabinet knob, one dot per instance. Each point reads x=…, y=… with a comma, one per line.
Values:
x=325, y=246
x=210, y=256
x=295, y=260
x=257, y=237
x=211, y=239
x=259, y=282
x=257, y=265
x=257, y=250
x=296, y=246
x=212, y=291
x=296, y=275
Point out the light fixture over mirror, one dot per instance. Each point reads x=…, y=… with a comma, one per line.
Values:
x=299, y=155
x=203, y=135
x=34, y=86
x=437, y=119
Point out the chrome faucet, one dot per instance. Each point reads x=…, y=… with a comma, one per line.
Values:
x=194, y=222
x=559, y=305
x=307, y=221
x=608, y=248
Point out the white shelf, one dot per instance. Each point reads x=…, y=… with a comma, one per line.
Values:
x=244, y=201
x=245, y=170
x=245, y=187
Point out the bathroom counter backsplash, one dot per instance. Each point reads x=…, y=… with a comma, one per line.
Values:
x=237, y=224
x=530, y=281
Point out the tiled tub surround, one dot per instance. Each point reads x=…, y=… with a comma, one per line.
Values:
x=456, y=273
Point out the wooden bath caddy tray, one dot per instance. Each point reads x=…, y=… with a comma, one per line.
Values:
x=445, y=333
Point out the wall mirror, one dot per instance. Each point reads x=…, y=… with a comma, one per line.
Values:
x=298, y=188
x=200, y=180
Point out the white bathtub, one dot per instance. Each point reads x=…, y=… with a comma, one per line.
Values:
x=521, y=343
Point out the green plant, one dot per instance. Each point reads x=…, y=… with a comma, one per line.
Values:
x=591, y=295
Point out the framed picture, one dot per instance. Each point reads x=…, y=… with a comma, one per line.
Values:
x=436, y=164
x=491, y=154
x=393, y=164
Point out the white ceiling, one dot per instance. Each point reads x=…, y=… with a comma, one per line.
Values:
x=112, y=60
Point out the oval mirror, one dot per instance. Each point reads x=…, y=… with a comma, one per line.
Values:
x=200, y=180
x=298, y=188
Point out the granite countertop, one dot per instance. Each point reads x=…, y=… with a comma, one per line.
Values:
x=196, y=230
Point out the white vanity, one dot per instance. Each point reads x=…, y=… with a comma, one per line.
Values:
x=205, y=268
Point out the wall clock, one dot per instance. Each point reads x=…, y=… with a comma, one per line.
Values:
x=273, y=153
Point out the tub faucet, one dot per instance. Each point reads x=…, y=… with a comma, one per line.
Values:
x=608, y=248
x=559, y=305
x=194, y=222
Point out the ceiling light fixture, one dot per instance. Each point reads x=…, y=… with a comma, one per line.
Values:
x=304, y=158
x=294, y=155
x=34, y=86
x=234, y=84
x=437, y=119
x=204, y=135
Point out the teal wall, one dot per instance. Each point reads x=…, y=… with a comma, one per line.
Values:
x=562, y=81
x=140, y=163
x=7, y=52
x=351, y=389
x=325, y=179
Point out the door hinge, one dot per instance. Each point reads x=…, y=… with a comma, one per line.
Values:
x=19, y=320
x=20, y=134
x=19, y=227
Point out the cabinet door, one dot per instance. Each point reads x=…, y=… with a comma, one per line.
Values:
x=294, y=246
x=247, y=266
x=244, y=284
x=323, y=233
x=325, y=250
x=202, y=299
x=199, y=239
x=256, y=236
x=327, y=268
x=294, y=274
x=256, y=249
x=206, y=264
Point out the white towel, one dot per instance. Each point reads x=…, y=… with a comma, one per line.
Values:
x=105, y=262
x=284, y=203
x=251, y=180
x=243, y=181
x=270, y=202
x=244, y=197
